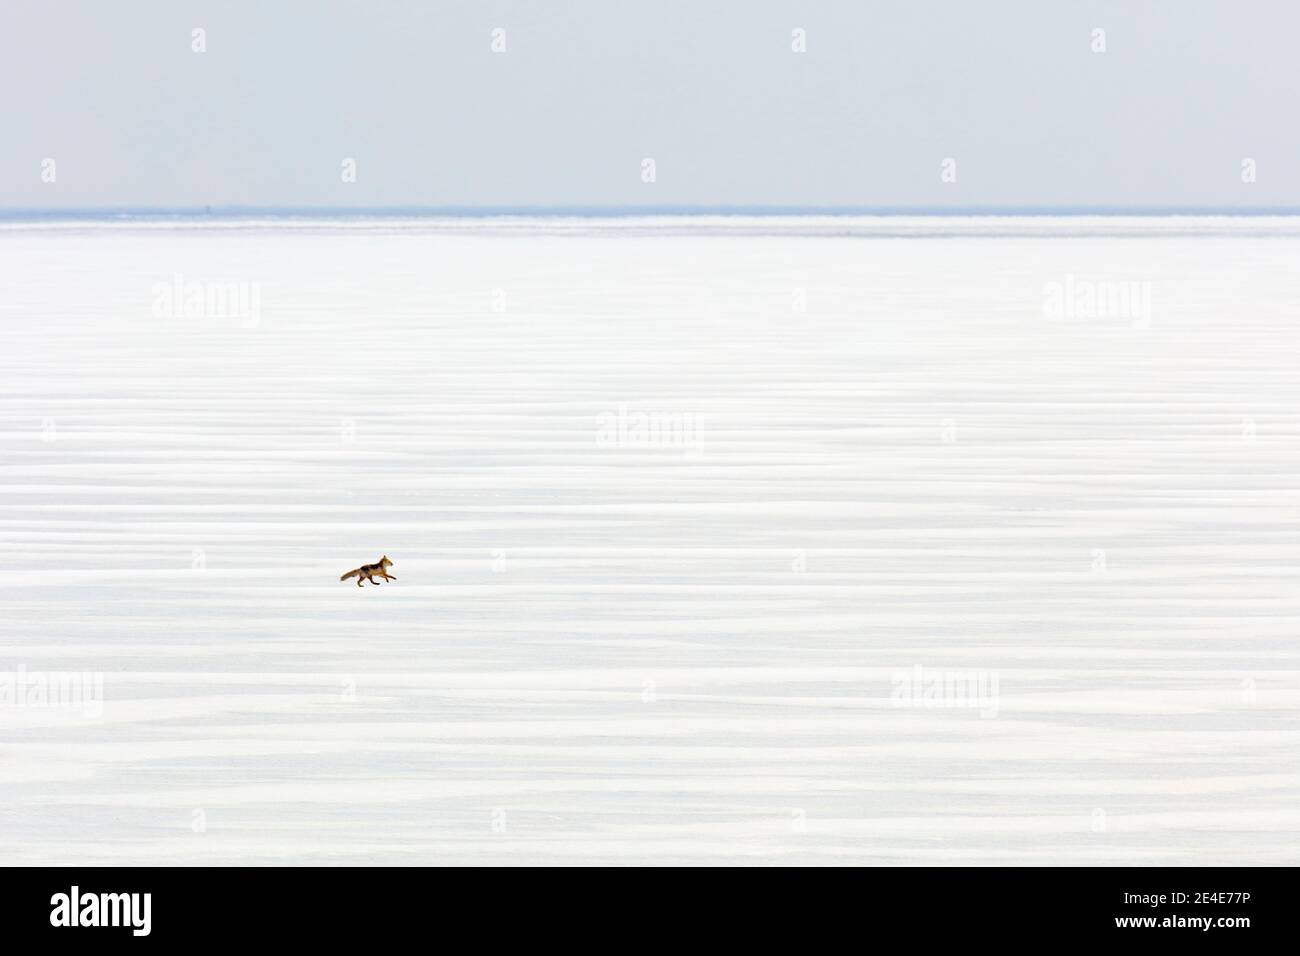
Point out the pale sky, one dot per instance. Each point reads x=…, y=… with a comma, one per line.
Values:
x=587, y=89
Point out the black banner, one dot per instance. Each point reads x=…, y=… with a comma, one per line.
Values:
x=140, y=907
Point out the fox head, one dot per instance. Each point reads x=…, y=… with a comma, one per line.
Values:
x=384, y=562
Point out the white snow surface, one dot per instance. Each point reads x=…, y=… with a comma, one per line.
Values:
x=877, y=452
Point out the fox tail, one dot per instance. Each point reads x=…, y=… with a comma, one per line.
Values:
x=350, y=574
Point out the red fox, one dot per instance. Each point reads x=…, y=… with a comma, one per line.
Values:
x=368, y=571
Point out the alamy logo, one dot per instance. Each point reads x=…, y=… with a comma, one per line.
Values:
x=1084, y=298
x=102, y=909
x=925, y=687
x=638, y=428
x=73, y=690
x=182, y=299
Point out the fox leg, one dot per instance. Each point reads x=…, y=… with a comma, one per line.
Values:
x=388, y=577
x=358, y=580
x=372, y=580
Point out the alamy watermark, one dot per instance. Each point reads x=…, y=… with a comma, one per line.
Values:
x=1089, y=298
x=628, y=427
x=927, y=687
x=189, y=299
x=69, y=690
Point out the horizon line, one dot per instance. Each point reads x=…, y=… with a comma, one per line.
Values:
x=623, y=212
